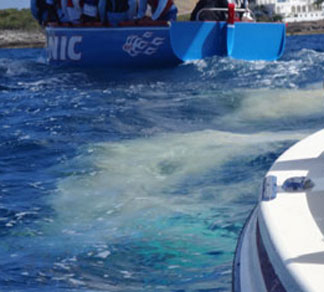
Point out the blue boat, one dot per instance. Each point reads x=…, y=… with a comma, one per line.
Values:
x=163, y=44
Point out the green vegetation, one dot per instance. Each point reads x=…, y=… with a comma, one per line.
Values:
x=18, y=19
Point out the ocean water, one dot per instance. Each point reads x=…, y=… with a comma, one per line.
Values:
x=142, y=180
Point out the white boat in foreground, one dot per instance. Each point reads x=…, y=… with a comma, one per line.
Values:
x=281, y=247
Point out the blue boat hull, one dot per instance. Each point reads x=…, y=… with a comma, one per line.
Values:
x=110, y=46
x=163, y=46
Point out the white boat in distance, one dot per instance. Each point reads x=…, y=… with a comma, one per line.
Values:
x=281, y=247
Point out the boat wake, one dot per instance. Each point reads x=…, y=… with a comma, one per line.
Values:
x=282, y=109
x=294, y=70
x=139, y=181
x=166, y=197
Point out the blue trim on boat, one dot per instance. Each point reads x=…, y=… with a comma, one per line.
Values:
x=270, y=277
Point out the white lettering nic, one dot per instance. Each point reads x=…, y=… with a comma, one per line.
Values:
x=63, y=48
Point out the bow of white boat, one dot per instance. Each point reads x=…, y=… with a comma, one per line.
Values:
x=285, y=234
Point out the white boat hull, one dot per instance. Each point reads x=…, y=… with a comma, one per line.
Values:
x=281, y=247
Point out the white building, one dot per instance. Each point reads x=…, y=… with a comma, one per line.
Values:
x=294, y=10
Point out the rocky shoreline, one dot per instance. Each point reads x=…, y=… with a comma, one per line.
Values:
x=310, y=27
x=21, y=39
x=36, y=39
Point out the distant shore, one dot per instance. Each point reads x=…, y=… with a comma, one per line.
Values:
x=21, y=39
x=36, y=39
x=310, y=27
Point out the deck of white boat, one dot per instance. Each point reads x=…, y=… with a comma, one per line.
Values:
x=292, y=224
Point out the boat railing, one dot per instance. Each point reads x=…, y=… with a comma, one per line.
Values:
x=224, y=9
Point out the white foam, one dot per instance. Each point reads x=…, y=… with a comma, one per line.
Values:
x=264, y=104
x=103, y=254
x=138, y=182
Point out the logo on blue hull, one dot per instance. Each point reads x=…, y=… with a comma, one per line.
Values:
x=145, y=44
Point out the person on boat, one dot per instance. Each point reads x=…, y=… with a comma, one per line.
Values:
x=199, y=14
x=52, y=15
x=161, y=9
x=113, y=11
x=74, y=11
x=132, y=9
x=38, y=8
x=44, y=11
x=201, y=11
x=61, y=7
x=90, y=11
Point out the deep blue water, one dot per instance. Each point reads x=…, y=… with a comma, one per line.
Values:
x=142, y=180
